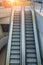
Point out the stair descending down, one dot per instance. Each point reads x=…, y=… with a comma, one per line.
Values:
x=15, y=42
x=31, y=58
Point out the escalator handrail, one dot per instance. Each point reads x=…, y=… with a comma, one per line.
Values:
x=23, y=36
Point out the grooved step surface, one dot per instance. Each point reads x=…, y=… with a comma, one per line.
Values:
x=15, y=42
x=31, y=58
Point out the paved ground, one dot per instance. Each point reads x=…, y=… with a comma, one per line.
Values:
x=41, y=13
x=5, y=12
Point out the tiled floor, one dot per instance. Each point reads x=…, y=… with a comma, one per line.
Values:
x=2, y=55
x=41, y=13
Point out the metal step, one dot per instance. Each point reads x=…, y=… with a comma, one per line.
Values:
x=31, y=63
x=31, y=55
x=16, y=24
x=16, y=33
x=16, y=30
x=31, y=60
x=28, y=26
x=31, y=32
x=16, y=27
x=30, y=50
x=15, y=56
x=30, y=46
x=15, y=43
x=29, y=18
x=30, y=23
x=14, y=62
x=15, y=36
x=14, y=40
x=15, y=21
x=15, y=47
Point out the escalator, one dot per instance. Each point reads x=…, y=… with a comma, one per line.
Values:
x=23, y=49
x=31, y=58
x=15, y=42
x=14, y=56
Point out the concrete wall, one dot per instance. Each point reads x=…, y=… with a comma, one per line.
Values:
x=3, y=55
x=5, y=20
x=3, y=42
x=1, y=32
x=40, y=29
x=5, y=12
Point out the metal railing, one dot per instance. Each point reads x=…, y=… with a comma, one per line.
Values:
x=37, y=5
